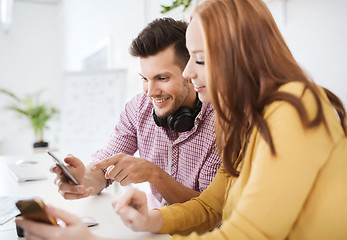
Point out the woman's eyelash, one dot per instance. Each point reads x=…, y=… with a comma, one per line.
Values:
x=200, y=62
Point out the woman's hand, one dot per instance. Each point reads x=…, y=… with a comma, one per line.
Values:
x=75, y=228
x=132, y=208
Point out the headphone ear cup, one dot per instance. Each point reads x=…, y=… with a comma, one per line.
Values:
x=182, y=120
x=159, y=121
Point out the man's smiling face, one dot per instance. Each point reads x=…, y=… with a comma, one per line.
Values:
x=164, y=84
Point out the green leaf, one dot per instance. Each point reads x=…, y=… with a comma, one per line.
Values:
x=29, y=106
x=10, y=94
x=175, y=4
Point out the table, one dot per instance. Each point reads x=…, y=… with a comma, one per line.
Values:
x=98, y=207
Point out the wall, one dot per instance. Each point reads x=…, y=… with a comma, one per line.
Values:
x=47, y=40
x=86, y=24
x=29, y=61
x=316, y=33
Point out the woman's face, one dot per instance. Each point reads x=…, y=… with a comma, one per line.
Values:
x=195, y=69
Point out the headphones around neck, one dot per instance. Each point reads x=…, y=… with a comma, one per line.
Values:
x=180, y=121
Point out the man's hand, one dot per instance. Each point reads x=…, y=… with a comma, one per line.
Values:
x=126, y=169
x=67, y=189
x=132, y=208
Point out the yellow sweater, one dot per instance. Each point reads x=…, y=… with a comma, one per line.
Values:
x=300, y=193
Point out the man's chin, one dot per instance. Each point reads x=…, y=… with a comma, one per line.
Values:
x=162, y=114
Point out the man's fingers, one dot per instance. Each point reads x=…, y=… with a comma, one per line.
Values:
x=108, y=172
x=73, y=196
x=55, y=169
x=73, y=161
x=125, y=181
x=66, y=187
x=116, y=173
x=57, y=181
x=60, y=178
x=107, y=162
x=74, y=191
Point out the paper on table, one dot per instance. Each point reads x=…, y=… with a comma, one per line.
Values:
x=8, y=208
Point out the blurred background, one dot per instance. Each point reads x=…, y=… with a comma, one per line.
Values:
x=76, y=52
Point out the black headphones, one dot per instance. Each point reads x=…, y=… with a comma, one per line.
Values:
x=180, y=121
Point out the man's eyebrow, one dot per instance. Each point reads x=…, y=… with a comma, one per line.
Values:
x=159, y=75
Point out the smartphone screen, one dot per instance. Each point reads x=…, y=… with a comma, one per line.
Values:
x=65, y=170
x=34, y=209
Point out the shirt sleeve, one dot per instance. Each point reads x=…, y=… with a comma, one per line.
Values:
x=212, y=161
x=124, y=136
x=209, y=168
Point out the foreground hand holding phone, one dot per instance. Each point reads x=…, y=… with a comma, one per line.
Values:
x=131, y=206
x=74, y=229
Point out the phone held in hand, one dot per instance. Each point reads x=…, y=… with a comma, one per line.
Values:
x=34, y=209
x=65, y=170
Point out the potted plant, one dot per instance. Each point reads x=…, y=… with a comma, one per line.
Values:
x=36, y=112
x=175, y=4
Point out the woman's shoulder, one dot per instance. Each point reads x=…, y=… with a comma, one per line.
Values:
x=295, y=87
x=286, y=108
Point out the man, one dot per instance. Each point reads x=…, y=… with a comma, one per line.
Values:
x=167, y=124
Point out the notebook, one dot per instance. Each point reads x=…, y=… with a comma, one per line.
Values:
x=26, y=172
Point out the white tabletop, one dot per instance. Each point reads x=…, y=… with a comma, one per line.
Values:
x=98, y=207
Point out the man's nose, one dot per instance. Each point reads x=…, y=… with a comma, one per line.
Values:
x=152, y=89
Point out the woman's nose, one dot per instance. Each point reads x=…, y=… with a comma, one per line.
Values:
x=188, y=72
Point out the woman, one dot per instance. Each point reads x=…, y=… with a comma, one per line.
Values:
x=283, y=146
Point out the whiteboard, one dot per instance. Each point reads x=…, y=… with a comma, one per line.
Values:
x=92, y=103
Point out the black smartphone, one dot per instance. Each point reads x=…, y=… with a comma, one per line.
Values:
x=65, y=170
x=34, y=209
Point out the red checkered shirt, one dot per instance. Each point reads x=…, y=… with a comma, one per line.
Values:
x=193, y=155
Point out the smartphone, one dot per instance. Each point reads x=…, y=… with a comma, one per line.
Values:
x=34, y=209
x=65, y=170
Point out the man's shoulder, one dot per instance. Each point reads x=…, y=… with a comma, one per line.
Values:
x=209, y=108
x=207, y=111
x=205, y=120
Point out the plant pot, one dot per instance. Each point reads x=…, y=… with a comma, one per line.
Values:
x=41, y=144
